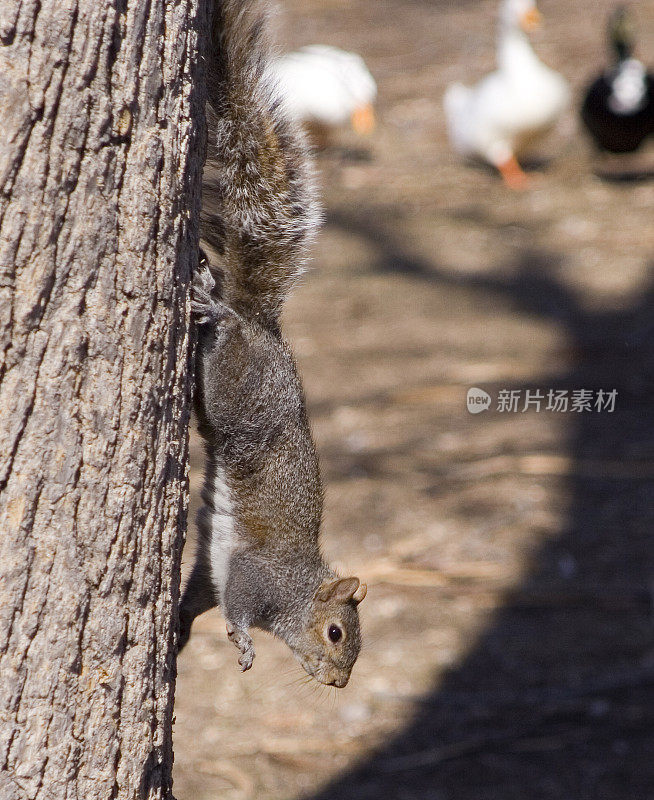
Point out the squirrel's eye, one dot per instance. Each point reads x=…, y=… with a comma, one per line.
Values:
x=335, y=633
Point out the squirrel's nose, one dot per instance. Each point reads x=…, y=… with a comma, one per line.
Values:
x=339, y=682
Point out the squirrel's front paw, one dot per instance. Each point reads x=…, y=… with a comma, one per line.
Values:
x=243, y=641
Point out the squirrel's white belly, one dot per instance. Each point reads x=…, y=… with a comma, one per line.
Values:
x=223, y=533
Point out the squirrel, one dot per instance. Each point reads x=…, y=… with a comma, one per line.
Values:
x=258, y=555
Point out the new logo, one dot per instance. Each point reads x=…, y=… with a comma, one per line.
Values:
x=478, y=400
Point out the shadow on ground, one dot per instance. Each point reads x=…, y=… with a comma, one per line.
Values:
x=556, y=699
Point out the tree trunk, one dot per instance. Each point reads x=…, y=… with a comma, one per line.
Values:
x=100, y=165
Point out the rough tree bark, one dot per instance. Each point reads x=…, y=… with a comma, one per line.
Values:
x=100, y=163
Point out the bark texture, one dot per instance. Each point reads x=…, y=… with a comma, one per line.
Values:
x=100, y=163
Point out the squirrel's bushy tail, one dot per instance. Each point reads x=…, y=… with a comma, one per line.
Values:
x=258, y=205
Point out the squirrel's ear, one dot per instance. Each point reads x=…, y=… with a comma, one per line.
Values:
x=341, y=590
x=360, y=593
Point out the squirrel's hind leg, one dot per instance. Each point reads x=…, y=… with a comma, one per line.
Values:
x=205, y=307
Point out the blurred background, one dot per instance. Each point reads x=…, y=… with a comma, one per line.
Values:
x=509, y=623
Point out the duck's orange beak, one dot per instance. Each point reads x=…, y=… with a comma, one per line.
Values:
x=363, y=120
x=531, y=20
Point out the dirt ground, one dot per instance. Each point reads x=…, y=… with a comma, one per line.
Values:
x=509, y=624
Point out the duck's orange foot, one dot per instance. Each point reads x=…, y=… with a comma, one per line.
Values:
x=363, y=120
x=513, y=175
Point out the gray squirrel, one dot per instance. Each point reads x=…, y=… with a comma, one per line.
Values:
x=258, y=554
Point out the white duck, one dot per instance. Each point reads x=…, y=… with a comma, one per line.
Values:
x=327, y=87
x=502, y=115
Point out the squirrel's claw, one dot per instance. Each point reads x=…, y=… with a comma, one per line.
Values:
x=246, y=659
x=243, y=641
x=204, y=307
